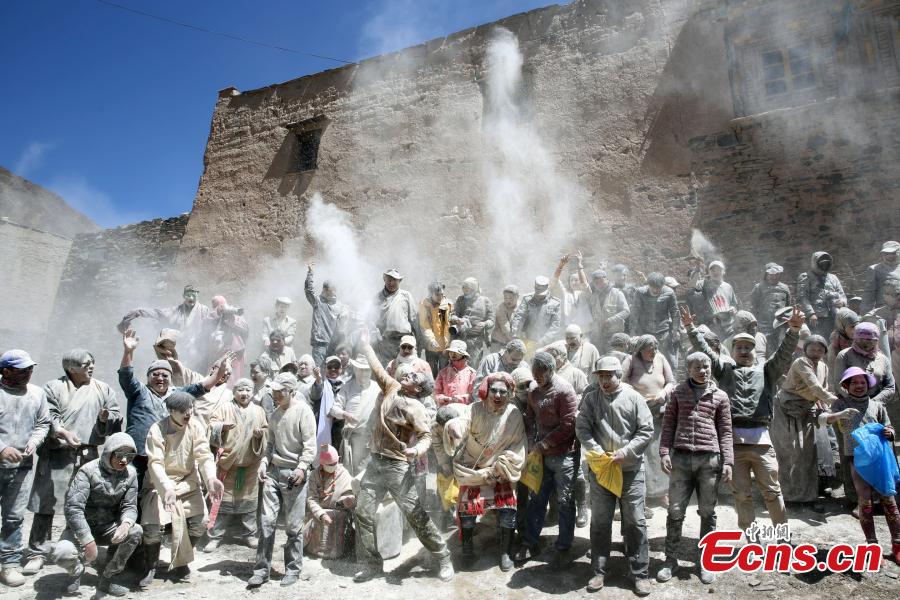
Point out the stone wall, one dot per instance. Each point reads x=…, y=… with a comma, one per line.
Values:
x=106, y=275
x=33, y=261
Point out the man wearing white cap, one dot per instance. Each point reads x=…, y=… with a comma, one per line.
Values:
x=538, y=318
x=395, y=316
x=280, y=321
x=24, y=423
x=768, y=297
x=712, y=295
x=877, y=274
x=614, y=419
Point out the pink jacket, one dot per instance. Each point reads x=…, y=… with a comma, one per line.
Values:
x=454, y=386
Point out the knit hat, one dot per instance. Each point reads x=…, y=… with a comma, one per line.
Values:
x=327, y=455
x=156, y=365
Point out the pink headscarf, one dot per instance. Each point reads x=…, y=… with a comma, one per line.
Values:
x=488, y=381
x=865, y=331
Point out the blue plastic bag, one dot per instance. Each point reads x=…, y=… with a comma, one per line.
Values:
x=874, y=459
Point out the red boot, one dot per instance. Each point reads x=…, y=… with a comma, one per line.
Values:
x=867, y=523
x=895, y=552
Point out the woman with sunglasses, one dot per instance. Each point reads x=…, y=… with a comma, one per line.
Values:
x=488, y=464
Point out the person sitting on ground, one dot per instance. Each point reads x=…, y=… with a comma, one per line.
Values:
x=328, y=532
x=101, y=510
x=489, y=464
x=238, y=431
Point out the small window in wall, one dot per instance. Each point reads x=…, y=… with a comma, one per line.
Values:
x=788, y=70
x=308, y=149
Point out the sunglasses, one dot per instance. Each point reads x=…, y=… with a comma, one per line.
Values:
x=125, y=455
x=500, y=391
x=406, y=347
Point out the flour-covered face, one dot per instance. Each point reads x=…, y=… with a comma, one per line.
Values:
x=190, y=298
x=498, y=395
x=242, y=394
x=744, y=353
x=158, y=381
x=699, y=371
x=609, y=380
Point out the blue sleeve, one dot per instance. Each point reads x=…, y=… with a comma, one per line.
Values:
x=196, y=389
x=130, y=385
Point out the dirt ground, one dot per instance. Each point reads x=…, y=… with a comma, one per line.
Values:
x=222, y=575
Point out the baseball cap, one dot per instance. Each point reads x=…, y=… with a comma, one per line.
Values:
x=16, y=359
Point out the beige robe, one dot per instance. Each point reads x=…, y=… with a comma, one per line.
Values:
x=174, y=455
x=493, y=450
x=240, y=454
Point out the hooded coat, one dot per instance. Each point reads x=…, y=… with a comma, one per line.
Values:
x=818, y=290
x=99, y=494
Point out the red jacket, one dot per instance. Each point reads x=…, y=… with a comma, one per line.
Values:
x=697, y=425
x=550, y=416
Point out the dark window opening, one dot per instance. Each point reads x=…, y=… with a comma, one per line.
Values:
x=788, y=70
x=308, y=149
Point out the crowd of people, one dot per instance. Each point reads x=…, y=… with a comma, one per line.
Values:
x=586, y=395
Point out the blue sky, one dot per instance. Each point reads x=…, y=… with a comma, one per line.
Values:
x=111, y=109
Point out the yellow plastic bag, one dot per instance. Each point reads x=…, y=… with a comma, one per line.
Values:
x=608, y=473
x=448, y=490
x=533, y=472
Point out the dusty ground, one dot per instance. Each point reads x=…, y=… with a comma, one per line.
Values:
x=222, y=575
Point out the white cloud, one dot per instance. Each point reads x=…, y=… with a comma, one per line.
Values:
x=81, y=195
x=31, y=158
